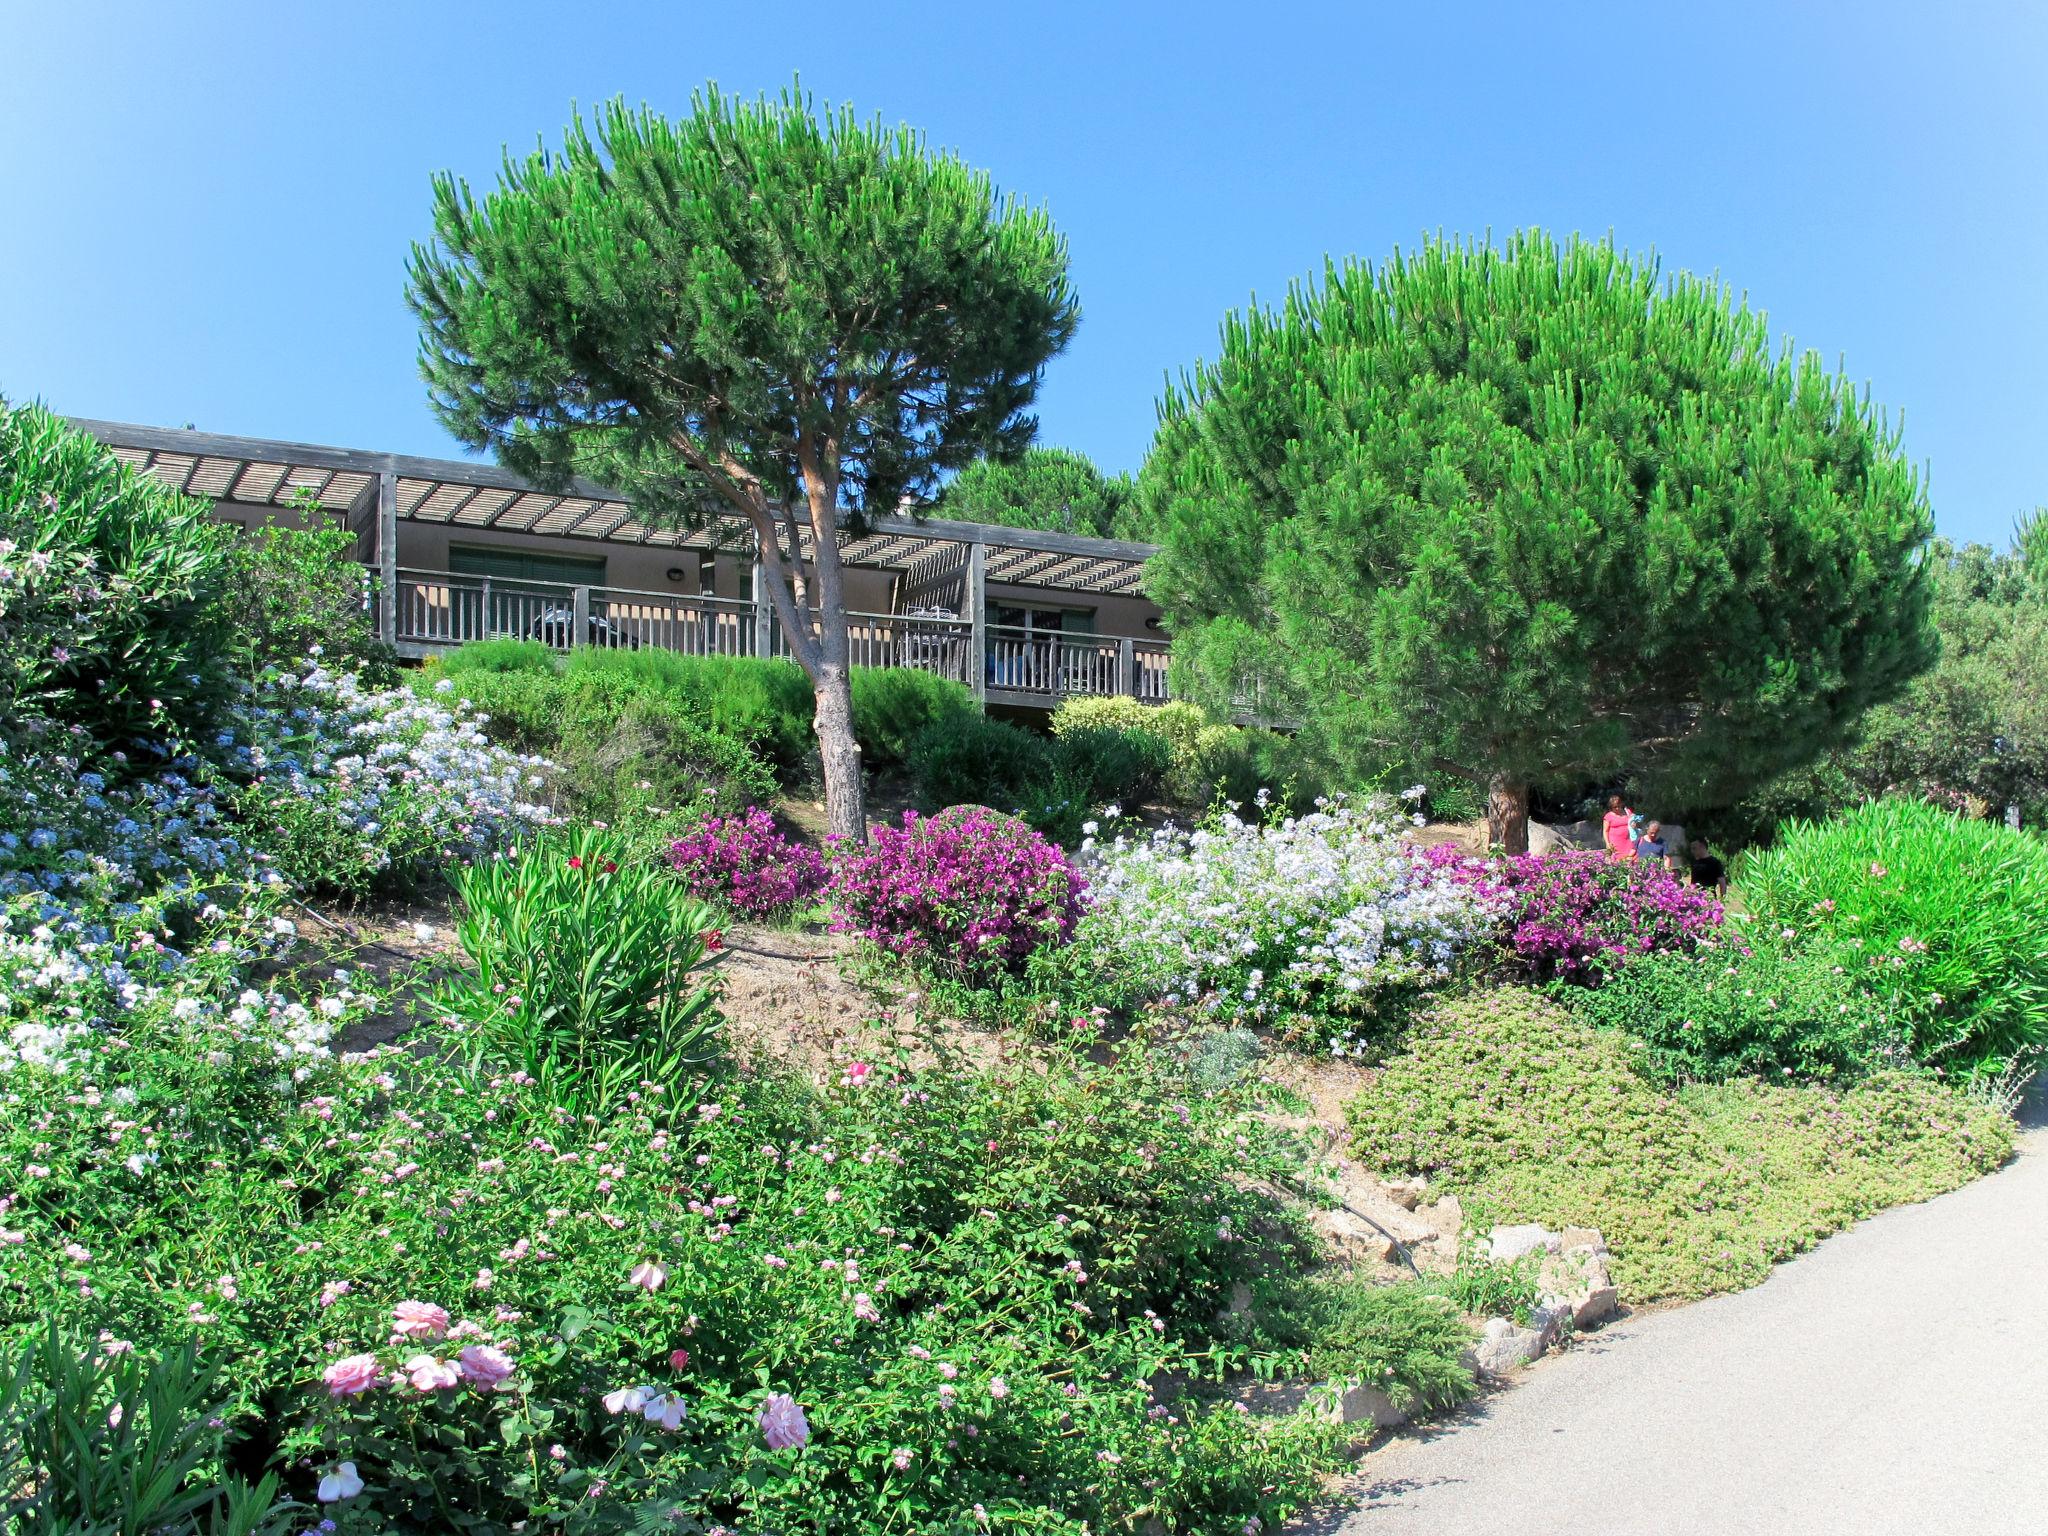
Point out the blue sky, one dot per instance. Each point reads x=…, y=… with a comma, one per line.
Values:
x=207, y=207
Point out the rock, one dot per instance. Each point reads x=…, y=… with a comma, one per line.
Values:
x=1355, y=1239
x=1503, y=1346
x=1583, y=1237
x=1511, y=1243
x=1406, y=1193
x=1447, y=1216
x=1240, y=1298
x=1361, y=1405
x=1577, y=1280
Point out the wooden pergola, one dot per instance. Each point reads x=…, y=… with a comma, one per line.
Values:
x=372, y=493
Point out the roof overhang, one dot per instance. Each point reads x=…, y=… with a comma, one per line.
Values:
x=454, y=493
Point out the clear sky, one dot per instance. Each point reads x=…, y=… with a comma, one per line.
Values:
x=205, y=208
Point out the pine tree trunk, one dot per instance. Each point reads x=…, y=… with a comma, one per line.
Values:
x=1507, y=814
x=845, y=808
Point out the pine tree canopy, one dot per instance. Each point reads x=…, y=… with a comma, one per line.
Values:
x=1536, y=515
x=1050, y=488
x=756, y=309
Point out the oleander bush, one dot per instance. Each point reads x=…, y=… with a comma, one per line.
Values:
x=748, y=865
x=1326, y=926
x=969, y=892
x=1529, y=1114
x=111, y=624
x=1940, y=916
x=1746, y=1003
x=584, y=969
x=1575, y=916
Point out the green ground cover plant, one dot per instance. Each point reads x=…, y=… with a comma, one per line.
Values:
x=1531, y=1115
x=1941, y=916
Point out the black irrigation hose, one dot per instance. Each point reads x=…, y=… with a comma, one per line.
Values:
x=1399, y=1246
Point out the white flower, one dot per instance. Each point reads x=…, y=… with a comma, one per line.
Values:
x=341, y=1483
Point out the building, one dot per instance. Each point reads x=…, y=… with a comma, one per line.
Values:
x=463, y=551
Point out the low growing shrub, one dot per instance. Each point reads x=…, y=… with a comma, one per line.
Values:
x=1529, y=1114
x=748, y=865
x=1941, y=916
x=1105, y=765
x=1747, y=1003
x=1574, y=916
x=892, y=704
x=974, y=760
x=969, y=891
x=584, y=970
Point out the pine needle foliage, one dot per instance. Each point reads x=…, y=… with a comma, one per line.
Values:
x=1537, y=514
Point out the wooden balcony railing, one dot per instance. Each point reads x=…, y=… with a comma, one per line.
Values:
x=438, y=610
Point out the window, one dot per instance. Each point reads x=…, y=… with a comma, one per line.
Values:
x=502, y=564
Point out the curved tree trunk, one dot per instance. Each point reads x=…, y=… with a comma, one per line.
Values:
x=845, y=803
x=1507, y=814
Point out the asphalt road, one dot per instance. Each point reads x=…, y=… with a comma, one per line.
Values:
x=1893, y=1380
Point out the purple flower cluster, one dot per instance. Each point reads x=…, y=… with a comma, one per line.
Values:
x=744, y=862
x=1573, y=914
x=969, y=887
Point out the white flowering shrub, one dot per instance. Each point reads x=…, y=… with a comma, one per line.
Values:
x=350, y=785
x=1316, y=924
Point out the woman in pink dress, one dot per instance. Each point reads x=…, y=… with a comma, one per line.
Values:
x=1614, y=827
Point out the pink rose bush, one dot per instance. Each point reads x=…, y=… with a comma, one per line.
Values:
x=748, y=864
x=969, y=890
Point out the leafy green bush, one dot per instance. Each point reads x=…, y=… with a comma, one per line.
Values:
x=1941, y=916
x=582, y=969
x=974, y=760
x=1531, y=1115
x=1104, y=764
x=765, y=705
x=1749, y=1004
x=292, y=591
x=624, y=749
x=497, y=656
x=111, y=622
x=522, y=709
x=1406, y=1340
x=892, y=704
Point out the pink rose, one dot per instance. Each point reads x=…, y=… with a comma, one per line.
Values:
x=484, y=1366
x=350, y=1375
x=431, y=1375
x=418, y=1320
x=782, y=1422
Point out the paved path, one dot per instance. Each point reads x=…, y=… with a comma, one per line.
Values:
x=1893, y=1380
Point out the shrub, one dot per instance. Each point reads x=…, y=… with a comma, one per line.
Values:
x=516, y=708
x=645, y=759
x=1744, y=1004
x=745, y=863
x=765, y=705
x=347, y=787
x=1574, y=916
x=110, y=624
x=1407, y=1340
x=892, y=704
x=582, y=969
x=290, y=592
x=1112, y=765
x=493, y=656
x=1321, y=924
x=974, y=760
x=1940, y=916
x=968, y=891
x=1530, y=1115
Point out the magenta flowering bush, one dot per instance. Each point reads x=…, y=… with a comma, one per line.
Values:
x=1573, y=915
x=970, y=890
x=748, y=864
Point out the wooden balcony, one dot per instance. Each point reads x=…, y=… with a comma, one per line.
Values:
x=436, y=611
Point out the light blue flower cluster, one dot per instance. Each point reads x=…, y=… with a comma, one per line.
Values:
x=1305, y=922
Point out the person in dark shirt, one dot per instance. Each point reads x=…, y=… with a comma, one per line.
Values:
x=1708, y=872
x=1650, y=848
